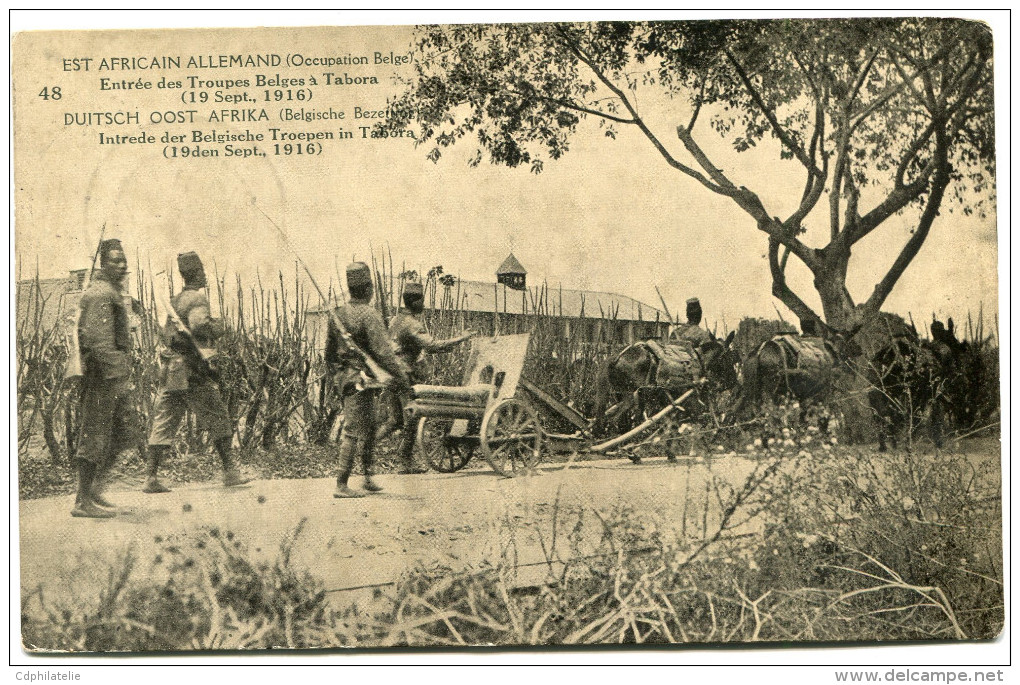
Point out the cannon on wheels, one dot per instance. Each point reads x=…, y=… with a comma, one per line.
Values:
x=482, y=414
x=492, y=413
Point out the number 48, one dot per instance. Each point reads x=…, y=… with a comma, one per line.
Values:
x=48, y=93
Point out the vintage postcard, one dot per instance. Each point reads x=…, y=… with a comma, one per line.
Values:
x=672, y=332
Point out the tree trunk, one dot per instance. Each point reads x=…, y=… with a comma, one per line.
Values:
x=830, y=282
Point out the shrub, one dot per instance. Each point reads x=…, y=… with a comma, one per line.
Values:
x=200, y=592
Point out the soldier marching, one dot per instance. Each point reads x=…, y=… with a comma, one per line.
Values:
x=367, y=331
x=189, y=378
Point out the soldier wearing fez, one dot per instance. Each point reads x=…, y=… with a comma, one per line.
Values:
x=410, y=339
x=188, y=379
x=107, y=417
x=692, y=332
x=367, y=330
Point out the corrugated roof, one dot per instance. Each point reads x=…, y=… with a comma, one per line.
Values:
x=510, y=265
x=54, y=300
x=479, y=296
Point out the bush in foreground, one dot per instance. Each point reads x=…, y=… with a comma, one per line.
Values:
x=826, y=546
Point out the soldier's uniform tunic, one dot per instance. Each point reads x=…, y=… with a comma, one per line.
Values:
x=108, y=418
x=411, y=340
x=368, y=332
x=184, y=380
x=692, y=334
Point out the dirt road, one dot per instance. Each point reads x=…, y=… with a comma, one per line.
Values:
x=457, y=520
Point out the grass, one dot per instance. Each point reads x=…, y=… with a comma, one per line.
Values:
x=848, y=544
x=813, y=545
x=286, y=412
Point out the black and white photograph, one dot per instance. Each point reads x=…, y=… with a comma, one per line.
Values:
x=515, y=335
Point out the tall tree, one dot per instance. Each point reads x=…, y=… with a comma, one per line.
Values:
x=892, y=113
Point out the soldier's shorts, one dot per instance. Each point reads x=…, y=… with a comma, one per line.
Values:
x=359, y=414
x=109, y=422
x=204, y=401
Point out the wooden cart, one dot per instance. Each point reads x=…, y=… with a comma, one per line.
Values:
x=482, y=413
x=489, y=413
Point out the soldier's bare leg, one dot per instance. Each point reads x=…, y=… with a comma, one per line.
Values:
x=366, y=447
x=100, y=476
x=406, y=450
x=407, y=440
x=84, y=507
x=231, y=474
x=366, y=441
x=167, y=411
x=99, y=483
x=123, y=434
x=99, y=424
x=348, y=445
x=394, y=414
x=155, y=455
x=207, y=404
x=357, y=426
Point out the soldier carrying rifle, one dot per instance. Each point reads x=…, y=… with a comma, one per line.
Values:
x=365, y=329
x=189, y=378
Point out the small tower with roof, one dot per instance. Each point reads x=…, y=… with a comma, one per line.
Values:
x=512, y=273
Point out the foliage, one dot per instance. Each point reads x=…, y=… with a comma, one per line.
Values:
x=887, y=112
x=752, y=332
x=204, y=593
x=813, y=545
x=41, y=357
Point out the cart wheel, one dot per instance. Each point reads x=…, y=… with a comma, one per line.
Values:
x=511, y=437
x=442, y=452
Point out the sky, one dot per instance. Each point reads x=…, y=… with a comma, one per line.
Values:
x=610, y=215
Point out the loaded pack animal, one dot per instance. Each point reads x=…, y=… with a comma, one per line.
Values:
x=911, y=378
x=903, y=376
x=788, y=365
x=648, y=375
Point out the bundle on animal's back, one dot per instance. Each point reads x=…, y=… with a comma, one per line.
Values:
x=653, y=364
x=809, y=364
x=677, y=365
x=788, y=365
x=672, y=366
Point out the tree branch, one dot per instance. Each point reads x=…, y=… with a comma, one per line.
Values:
x=672, y=161
x=807, y=76
x=814, y=185
x=862, y=77
x=896, y=200
x=697, y=106
x=842, y=153
x=813, y=189
x=702, y=159
x=770, y=116
x=909, y=83
x=877, y=103
x=573, y=106
x=971, y=87
x=781, y=290
x=913, y=245
x=912, y=152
